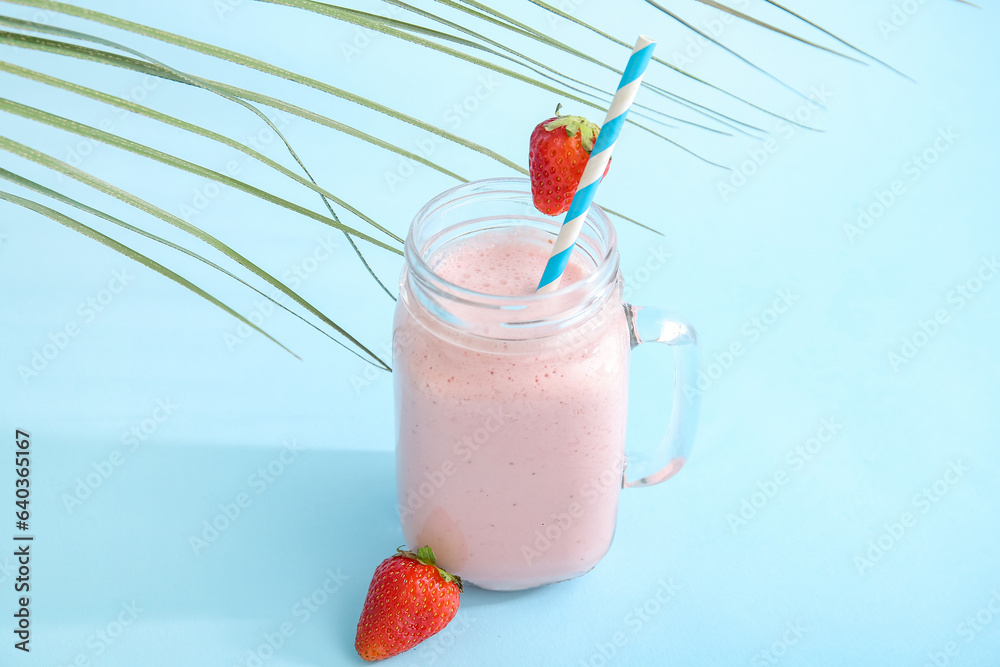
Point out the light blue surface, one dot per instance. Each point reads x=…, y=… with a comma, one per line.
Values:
x=715, y=592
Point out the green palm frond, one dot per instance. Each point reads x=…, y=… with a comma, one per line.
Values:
x=639, y=110
x=481, y=35
x=131, y=254
x=835, y=37
x=49, y=162
x=234, y=93
x=173, y=74
x=97, y=134
x=52, y=194
x=620, y=42
x=704, y=35
x=750, y=19
x=134, y=107
x=252, y=63
x=409, y=32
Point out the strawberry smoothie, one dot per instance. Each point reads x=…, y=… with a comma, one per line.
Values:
x=510, y=449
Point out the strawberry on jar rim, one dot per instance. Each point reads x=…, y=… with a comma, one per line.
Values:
x=410, y=599
x=557, y=154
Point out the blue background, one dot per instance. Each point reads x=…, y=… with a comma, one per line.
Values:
x=874, y=551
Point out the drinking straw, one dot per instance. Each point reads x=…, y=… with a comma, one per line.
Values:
x=599, y=157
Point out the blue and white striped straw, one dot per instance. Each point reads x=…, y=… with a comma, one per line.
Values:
x=599, y=157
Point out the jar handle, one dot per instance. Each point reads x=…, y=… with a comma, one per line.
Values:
x=655, y=325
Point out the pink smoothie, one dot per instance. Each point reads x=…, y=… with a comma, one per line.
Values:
x=509, y=455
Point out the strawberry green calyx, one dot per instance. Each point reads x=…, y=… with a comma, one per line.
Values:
x=425, y=555
x=573, y=124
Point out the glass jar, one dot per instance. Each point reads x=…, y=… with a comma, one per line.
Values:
x=511, y=410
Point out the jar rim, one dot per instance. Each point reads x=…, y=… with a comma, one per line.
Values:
x=597, y=222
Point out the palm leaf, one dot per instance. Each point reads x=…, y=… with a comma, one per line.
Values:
x=730, y=51
x=494, y=17
x=134, y=107
x=82, y=52
x=180, y=76
x=515, y=56
x=253, y=63
x=207, y=49
x=49, y=162
x=131, y=254
x=393, y=28
x=229, y=92
x=830, y=34
x=97, y=134
x=453, y=39
x=569, y=17
x=52, y=194
x=750, y=19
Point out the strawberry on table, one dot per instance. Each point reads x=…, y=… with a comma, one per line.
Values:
x=557, y=153
x=409, y=600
